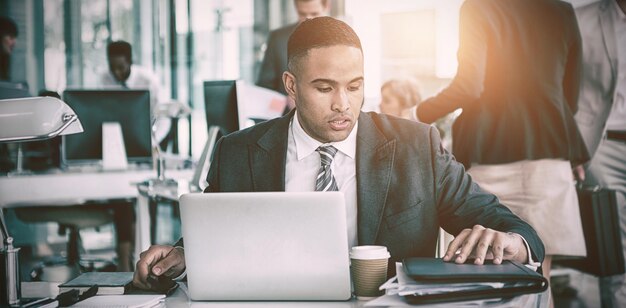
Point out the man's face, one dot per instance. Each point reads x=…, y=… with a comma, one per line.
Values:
x=120, y=67
x=328, y=91
x=310, y=9
x=8, y=43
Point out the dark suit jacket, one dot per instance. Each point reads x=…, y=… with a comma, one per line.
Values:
x=517, y=82
x=275, y=60
x=407, y=184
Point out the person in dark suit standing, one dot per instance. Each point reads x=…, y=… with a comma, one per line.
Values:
x=275, y=59
x=399, y=183
x=602, y=107
x=517, y=82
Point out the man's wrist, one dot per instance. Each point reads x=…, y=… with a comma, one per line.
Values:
x=528, y=258
x=523, y=254
x=184, y=272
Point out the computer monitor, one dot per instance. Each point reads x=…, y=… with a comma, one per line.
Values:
x=220, y=103
x=130, y=108
x=13, y=90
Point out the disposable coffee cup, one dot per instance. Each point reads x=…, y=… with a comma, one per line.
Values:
x=368, y=269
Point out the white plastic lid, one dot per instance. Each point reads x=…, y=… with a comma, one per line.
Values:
x=369, y=252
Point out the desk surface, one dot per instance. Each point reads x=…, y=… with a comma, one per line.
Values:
x=70, y=188
x=180, y=299
x=63, y=188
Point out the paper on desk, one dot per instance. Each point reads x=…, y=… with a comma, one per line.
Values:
x=407, y=286
x=395, y=300
x=254, y=102
x=527, y=300
x=36, y=289
x=401, y=285
x=122, y=301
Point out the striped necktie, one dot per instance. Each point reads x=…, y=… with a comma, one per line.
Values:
x=325, y=179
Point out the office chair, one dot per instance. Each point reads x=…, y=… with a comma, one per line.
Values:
x=71, y=219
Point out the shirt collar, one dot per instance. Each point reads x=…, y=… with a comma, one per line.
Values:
x=306, y=145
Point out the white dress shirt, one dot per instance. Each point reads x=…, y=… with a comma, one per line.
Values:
x=617, y=117
x=303, y=164
x=140, y=78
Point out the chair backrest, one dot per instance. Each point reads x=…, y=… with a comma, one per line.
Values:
x=198, y=181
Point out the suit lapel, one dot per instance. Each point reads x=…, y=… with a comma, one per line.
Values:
x=268, y=157
x=374, y=162
x=608, y=33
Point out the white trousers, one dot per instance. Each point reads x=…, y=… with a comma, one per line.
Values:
x=543, y=193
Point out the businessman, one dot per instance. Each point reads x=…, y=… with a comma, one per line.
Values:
x=400, y=185
x=275, y=59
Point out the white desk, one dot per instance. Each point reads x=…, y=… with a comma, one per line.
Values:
x=180, y=299
x=65, y=188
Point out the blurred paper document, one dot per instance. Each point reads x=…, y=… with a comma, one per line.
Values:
x=256, y=103
x=122, y=301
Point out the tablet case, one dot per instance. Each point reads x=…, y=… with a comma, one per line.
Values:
x=517, y=279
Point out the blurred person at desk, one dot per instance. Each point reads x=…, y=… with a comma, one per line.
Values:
x=400, y=184
x=602, y=106
x=123, y=74
x=275, y=59
x=8, y=38
x=398, y=96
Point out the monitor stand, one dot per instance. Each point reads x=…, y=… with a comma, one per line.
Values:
x=113, y=149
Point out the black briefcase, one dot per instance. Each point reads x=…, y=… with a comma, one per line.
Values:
x=600, y=220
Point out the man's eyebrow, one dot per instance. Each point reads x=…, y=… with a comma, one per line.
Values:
x=330, y=81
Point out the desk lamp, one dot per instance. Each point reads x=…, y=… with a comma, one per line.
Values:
x=34, y=119
x=170, y=110
x=22, y=120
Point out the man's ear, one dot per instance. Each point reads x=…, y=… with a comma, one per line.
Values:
x=289, y=80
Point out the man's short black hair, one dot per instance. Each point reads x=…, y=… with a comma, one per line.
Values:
x=7, y=26
x=120, y=48
x=319, y=32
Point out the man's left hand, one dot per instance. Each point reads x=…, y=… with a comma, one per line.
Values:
x=480, y=244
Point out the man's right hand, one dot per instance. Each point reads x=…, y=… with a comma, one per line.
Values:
x=158, y=260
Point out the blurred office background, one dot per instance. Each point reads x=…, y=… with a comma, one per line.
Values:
x=62, y=45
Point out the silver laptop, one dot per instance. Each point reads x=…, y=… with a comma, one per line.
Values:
x=266, y=246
